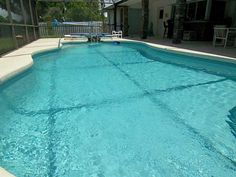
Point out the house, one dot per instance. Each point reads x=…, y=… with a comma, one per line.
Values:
x=115, y=17
x=200, y=16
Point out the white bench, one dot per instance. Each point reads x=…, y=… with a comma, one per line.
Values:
x=117, y=34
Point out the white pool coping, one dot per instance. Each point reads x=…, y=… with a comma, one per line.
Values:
x=188, y=52
x=4, y=173
x=20, y=60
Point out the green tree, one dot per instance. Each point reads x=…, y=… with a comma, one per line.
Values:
x=53, y=13
x=3, y=20
x=71, y=11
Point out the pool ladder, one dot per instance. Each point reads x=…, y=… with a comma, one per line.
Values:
x=59, y=43
x=94, y=38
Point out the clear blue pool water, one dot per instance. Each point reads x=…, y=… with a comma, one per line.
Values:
x=123, y=110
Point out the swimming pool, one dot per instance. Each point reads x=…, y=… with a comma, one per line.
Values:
x=126, y=110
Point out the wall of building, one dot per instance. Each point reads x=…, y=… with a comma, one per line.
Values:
x=154, y=15
x=18, y=24
x=230, y=11
x=110, y=19
x=118, y=16
x=134, y=16
x=154, y=11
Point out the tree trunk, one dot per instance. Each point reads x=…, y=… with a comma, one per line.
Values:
x=145, y=18
x=179, y=21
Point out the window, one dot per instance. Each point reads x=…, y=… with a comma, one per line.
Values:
x=196, y=10
x=218, y=10
x=201, y=10
x=161, y=13
x=191, y=8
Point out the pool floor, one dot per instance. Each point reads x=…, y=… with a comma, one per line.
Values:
x=109, y=111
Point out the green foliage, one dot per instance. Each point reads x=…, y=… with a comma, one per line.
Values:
x=53, y=12
x=3, y=6
x=6, y=44
x=3, y=3
x=3, y=20
x=70, y=11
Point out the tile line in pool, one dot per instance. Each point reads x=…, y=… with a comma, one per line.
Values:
x=51, y=112
x=183, y=87
x=94, y=66
x=103, y=102
x=124, y=73
x=206, y=142
x=232, y=120
x=175, y=117
x=51, y=122
x=159, y=59
x=94, y=53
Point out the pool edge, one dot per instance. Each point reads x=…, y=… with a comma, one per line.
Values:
x=21, y=59
x=186, y=52
x=5, y=173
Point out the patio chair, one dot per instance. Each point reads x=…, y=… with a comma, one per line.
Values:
x=220, y=33
x=231, y=39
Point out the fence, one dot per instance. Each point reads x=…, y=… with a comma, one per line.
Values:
x=48, y=30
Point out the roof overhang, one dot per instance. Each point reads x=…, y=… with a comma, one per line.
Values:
x=117, y=3
x=109, y=7
x=132, y=3
x=57, y=0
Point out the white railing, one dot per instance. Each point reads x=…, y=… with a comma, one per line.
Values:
x=46, y=30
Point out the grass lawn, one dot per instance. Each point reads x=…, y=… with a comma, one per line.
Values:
x=6, y=44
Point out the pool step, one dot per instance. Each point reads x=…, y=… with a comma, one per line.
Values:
x=4, y=173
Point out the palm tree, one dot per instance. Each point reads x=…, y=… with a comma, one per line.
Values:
x=145, y=17
x=179, y=21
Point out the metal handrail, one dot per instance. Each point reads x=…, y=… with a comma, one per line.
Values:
x=59, y=43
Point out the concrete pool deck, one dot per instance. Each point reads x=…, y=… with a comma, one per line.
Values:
x=4, y=173
x=20, y=60
x=199, y=46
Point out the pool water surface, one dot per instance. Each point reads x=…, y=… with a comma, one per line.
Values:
x=127, y=110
